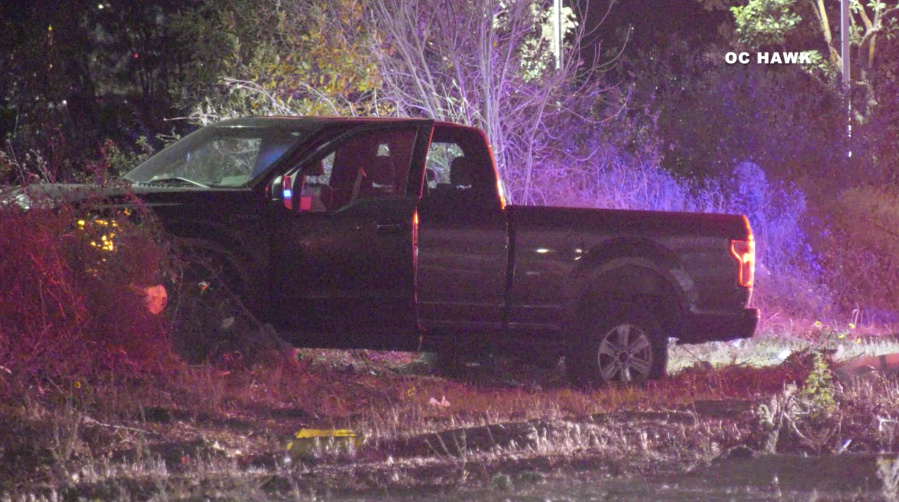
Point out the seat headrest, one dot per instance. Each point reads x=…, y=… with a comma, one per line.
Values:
x=382, y=171
x=316, y=168
x=461, y=172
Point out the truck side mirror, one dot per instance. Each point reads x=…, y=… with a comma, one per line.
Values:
x=311, y=198
x=275, y=190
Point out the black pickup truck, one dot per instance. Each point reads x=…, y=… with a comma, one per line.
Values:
x=393, y=234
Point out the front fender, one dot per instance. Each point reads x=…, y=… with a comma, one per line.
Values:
x=235, y=270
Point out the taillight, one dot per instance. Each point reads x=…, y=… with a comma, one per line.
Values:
x=744, y=252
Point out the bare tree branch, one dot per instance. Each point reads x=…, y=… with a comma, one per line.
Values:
x=485, y=63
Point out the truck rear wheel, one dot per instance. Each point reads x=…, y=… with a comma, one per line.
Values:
x=445, y=362
x=617, y=342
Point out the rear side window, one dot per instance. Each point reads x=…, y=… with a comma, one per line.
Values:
x=459, y=169
x=440, y=159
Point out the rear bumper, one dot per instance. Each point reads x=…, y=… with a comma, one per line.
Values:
x=698, y=328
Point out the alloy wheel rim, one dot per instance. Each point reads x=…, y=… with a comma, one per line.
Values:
x=625, y=354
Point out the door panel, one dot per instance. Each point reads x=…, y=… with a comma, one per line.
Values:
x=348, y=267
x=348, y=270
x=463, y=237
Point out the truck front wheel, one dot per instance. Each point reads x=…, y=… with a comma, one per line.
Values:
x=206, y=315
x=617, y=342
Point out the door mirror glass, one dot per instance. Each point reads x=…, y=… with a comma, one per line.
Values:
x=276, y=189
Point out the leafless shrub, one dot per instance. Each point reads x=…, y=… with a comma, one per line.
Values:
x=612, y=182
x=487, y=64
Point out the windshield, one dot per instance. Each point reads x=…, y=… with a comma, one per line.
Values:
x=219, y=156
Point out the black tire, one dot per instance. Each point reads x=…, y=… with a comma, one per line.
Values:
x=445, y=362
x=206, y=317
x=617, y=342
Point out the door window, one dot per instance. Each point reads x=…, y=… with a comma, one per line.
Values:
x=370, y=165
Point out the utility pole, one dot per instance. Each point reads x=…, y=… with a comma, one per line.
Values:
x=557, y=32
x=844, y=56
x=844, y=42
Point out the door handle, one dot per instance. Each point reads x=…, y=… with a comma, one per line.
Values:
x=391, y=227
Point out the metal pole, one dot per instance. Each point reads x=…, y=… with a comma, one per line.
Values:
x=557, y=31
x=844, y=56
x=844, y=41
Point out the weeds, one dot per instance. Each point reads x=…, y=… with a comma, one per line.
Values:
x=772, y=416
x=501, y=482
x=888, y=473
x=819, y=390
x=65, y=303
x=67, y=435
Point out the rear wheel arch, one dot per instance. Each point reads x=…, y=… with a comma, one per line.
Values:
x=630, y=269
x=636, y=284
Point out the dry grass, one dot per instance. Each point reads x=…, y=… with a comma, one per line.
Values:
x=204, y=432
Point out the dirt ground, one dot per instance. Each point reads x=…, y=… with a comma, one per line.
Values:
x=499, y=431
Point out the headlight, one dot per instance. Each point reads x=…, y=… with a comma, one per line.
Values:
x=17, y=197
x=23, y=200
